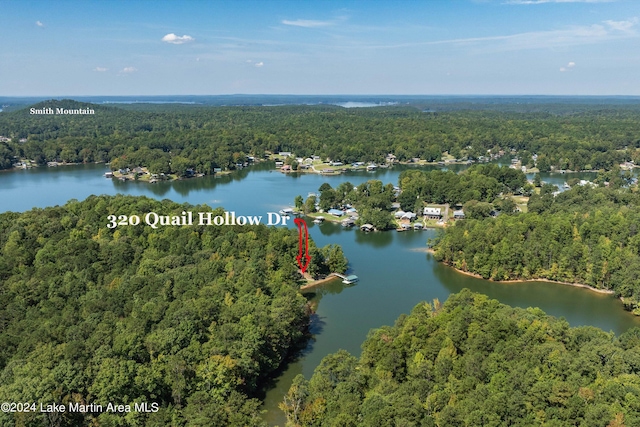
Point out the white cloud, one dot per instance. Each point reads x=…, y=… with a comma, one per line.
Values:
x=567, y=67
x=100, y=69
x=259, y=64
x=39, y=24
x=624, y=26
x=570, y=36
x=129, y=70
x=307, y=23
x=174, y=39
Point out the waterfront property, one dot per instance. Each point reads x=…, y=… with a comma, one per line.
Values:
x=347, y=280
x=458, y=214
x=335, y=212
x=432, y=213
x=286, y=212
x=367, y=227
x=349, y=222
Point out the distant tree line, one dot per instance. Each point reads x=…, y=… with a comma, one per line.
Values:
x=170, y=139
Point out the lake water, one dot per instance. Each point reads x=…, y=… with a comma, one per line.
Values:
x=395, y=273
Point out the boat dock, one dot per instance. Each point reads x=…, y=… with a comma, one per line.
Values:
x=347, y=280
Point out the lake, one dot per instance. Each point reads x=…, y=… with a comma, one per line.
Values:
x=395, y=273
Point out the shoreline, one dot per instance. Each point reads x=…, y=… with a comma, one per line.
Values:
x=477, y=276
x=318, y=282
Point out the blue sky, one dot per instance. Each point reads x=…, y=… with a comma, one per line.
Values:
x=513, y=47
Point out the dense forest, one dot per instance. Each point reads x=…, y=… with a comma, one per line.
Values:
x=584, y=235
x=475, y=362
x=193, y=318
x=170, y=139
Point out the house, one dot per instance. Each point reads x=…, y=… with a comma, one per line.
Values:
x=372, y=167
x=432, y=213
x=336, y=163
x=391, y=158
x=335, y=212
x=286, y=168
x=408, y=216
x=279, y=164
x=285, y=153
x=459, y=214
x=217, y=170
x=399, y=214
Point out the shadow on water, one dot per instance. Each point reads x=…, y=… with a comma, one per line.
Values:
x=577, y=305
x=375, y=239
x=185, y=186
x=291, y=366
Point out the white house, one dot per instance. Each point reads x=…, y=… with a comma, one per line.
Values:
x=432, y=213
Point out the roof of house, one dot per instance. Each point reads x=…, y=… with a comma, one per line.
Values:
x=335, y=212
x=432, y=211
x=458, y=213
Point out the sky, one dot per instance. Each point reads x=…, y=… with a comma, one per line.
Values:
x=404, y=47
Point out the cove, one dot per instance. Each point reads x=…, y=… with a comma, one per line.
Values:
x=395, y=273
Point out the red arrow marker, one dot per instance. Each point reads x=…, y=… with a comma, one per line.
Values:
x=303, y=265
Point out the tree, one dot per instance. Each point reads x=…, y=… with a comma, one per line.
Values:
x=310, y=205
x=299, y=202
x=477, y=210
x=335, y=259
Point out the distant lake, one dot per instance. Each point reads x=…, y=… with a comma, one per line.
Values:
x=356, y=104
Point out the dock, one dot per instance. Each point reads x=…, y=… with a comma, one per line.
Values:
x=347, y=280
